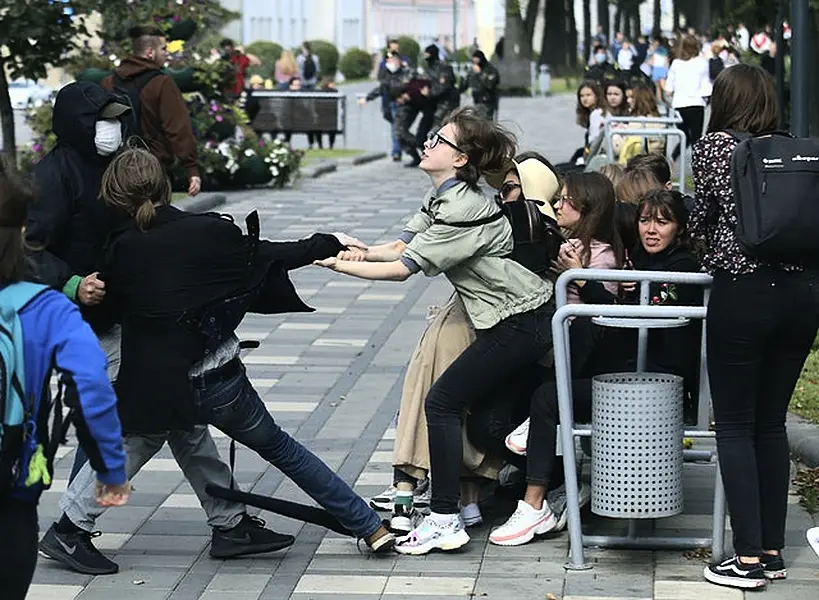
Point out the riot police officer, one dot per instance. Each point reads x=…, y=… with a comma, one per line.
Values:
x=483, y=81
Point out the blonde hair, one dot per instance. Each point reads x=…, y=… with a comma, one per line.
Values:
x=613, y=172
x=635, y=184
x=135, y=182
x=287, y=63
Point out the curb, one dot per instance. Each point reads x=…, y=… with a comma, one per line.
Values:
x=324, y=167
x=803, y=439
x=363, y=159
x=201, y=203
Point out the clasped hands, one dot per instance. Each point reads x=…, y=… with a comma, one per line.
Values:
x=356, y=250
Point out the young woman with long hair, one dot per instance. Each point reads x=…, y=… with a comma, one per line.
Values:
x=508, y=305
x=689, y=85
x=762, y=320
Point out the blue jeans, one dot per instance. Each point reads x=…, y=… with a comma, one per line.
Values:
x=235, y=408
x=396, y=143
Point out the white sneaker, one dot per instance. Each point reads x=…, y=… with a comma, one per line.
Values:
x=813, y=539
x=523, y=525
x=431, y=535
x=471, y=515
x=402, y=522
x=516, y=441
x=557, y=500
x=385, y=500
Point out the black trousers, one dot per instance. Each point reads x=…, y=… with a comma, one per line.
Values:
x=760, y=330
x=18, y=549
x=693, y=120
x=497, y=355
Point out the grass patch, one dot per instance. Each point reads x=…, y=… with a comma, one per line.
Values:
x=805, y=400
x=177, y=196
x=565, y=85
x=807, y=486
x=318, y=154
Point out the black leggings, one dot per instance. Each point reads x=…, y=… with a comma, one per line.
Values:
x=497, y=355
x=693, y=120
x=760, y=330
x=18, y=550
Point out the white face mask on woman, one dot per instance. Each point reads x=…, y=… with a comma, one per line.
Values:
x=107, y=136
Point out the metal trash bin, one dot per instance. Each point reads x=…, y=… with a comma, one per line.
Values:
x=637, y=450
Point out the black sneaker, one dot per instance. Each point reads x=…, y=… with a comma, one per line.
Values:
x=733, y=573
x=248, y=537
x=76, y=551
x=774, y=566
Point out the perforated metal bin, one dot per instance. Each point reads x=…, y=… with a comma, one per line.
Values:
x=637, y=451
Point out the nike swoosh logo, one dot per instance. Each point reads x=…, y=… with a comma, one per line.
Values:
x=66, y=547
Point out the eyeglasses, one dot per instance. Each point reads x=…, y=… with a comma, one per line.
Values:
x=507, y=188
x=434, y=138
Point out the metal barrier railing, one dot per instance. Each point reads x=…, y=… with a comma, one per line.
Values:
x=568, y=431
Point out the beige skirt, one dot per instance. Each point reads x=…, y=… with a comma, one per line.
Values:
x=448, y=334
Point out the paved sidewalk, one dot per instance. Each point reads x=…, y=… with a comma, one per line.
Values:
x=333, y=379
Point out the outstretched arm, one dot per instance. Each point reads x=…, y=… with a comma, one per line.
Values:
x=394, y=270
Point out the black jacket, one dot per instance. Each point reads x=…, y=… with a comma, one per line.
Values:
x=68, y=225
x=484, y=85
x=444, y=88
x=181, y=288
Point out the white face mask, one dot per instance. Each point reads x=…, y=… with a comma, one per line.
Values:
x=392, y=67
x=107, y=136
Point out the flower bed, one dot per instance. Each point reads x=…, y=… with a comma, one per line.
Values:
x=231, y=155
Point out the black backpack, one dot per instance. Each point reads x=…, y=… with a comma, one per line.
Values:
x=309, y=68
x=537, y=237
x=775, y=181
x=128, y=91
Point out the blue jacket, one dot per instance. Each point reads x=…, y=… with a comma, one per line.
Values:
x=56, y=336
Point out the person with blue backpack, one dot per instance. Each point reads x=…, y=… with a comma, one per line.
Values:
x=42, y=331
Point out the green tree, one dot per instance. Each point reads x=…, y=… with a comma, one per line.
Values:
x=34, y=37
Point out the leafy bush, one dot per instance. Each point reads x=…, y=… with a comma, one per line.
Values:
x=461, y=55
x=356, y=64
x=408, y=47
x=328, y=57
x=268, y=53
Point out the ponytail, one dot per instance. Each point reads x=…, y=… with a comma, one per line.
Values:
x=145, y=215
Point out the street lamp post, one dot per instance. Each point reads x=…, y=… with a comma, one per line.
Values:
x=454, y=25
x=800, y=69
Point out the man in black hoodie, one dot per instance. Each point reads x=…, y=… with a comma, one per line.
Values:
x=68, y=229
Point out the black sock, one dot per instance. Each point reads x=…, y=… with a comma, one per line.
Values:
x=64, y=525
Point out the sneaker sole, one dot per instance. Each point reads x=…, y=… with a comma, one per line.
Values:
x=776, y=575
x=247, y=550
x=527, y=536
x=383, y=544
x=400, y=525
x=453, y=542
x=473, y=522
x=69, y=561
x=520, y=451
x=735, y=582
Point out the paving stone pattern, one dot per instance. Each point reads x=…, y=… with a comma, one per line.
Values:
x=333, y=379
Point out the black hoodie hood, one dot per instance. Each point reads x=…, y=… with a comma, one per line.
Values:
x=432, y=54
x=76, y=112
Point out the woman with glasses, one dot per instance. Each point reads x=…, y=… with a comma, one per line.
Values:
x=507, y=304
x=448, y=334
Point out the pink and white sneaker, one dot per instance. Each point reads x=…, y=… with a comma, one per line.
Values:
x=524, y=524
x=516, y=441
x=436, y=532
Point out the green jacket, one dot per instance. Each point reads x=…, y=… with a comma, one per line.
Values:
x=474, y=259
